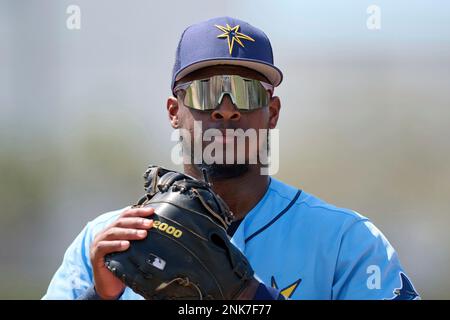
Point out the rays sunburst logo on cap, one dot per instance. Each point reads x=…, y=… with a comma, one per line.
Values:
x=232, y=35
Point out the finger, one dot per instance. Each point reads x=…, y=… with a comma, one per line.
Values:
x=133, y=223
x=116, y=233
x=138, y=212
x=104, y=247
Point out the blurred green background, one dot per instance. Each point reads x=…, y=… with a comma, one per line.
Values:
x=364, y=122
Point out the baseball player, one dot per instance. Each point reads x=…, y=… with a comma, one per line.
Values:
x=299, y=246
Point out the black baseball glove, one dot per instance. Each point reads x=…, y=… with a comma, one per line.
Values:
x=187, y=254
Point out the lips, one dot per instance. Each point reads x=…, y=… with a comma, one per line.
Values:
x=224, y=139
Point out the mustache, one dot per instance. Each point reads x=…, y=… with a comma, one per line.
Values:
x=223, y=129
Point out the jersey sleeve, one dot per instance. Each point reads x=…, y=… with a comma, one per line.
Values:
x=368, y=267
x=74, y=276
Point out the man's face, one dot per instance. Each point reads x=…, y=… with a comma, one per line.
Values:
x=225, y=116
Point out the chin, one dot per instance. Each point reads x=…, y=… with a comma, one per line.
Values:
x=223, y=171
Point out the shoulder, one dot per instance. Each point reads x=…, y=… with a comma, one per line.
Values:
x=306, y=207
x=348, y=231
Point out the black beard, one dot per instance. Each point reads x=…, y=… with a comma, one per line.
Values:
x=223, y=171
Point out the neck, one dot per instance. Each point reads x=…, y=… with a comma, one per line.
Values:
x=240, y=193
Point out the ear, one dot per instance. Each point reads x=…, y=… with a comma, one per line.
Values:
x=172, y=111
x=274, y=111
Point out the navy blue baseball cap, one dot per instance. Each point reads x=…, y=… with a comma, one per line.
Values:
x=224, y=41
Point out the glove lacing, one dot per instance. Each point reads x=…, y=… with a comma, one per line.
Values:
x=185, y=282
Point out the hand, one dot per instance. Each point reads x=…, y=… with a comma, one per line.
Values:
x=132, y=224
x=250, y=291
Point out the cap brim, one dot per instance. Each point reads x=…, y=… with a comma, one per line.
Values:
x=272, y=73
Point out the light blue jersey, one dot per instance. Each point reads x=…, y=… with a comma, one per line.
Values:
x=294, y=241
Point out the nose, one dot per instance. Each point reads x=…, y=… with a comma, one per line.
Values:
x=226, y=110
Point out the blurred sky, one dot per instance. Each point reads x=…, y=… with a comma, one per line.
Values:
x=364, y=122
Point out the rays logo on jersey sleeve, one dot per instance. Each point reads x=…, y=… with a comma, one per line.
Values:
x=406, y=290
x=289, y=290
